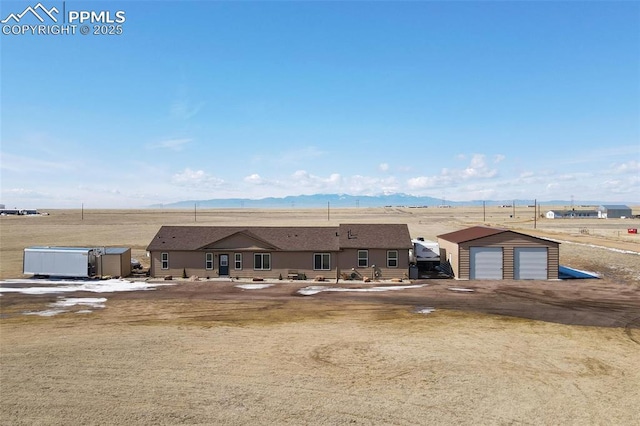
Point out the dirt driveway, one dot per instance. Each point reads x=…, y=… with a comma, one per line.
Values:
x=213, y=353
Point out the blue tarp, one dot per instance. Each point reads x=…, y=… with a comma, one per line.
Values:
x=566, y=273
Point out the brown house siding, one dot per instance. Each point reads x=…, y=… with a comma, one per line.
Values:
x=348, y=260
x=282, y=264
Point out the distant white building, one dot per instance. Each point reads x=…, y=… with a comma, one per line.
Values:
x=614, y=211
x=571, y=214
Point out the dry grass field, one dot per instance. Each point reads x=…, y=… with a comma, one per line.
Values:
x=212, y=353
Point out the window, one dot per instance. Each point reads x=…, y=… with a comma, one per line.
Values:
x=363, y=258
x=164, y=257
x=208, y=261
x=392, y=259
x=321, y=261
x=238, y=257
x=262, y=261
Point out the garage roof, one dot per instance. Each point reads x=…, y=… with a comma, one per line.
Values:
x=477, y=232
x=472, y=233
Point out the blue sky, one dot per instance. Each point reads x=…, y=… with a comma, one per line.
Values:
x=203, y=99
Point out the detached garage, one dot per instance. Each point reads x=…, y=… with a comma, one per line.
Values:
x=484, y=253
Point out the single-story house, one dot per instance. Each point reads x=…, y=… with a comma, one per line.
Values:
x=614, y=211
x=358, y=250
x=572, y=214
x=481, y=252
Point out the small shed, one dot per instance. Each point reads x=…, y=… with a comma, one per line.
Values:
x=114, y=261
x=614, y=211
x=482, y=252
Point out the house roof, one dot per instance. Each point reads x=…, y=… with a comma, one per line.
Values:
x=186, y=238
x=374, y=236
x=311, y=238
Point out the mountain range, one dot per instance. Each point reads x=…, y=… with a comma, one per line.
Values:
x=344, y=200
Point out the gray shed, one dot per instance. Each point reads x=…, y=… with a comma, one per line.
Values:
x=614, y=211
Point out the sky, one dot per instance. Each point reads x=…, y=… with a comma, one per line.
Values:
x=196, y=100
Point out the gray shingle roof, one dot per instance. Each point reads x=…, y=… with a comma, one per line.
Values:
x=281, y=238
x=311, y=238
x=373, y=236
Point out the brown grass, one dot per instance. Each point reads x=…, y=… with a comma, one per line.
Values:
x=210, y=353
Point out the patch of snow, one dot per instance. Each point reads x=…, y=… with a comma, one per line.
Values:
x=49, y=313
x=315, y=289
x=425, y=310
x=253, y=286
x=311, y=290
x=94, y=302
x=468, y=290
x=69, y=286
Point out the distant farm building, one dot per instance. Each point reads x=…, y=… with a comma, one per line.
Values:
x=572, y=214
x=18, y=212
x=484, y=253
x=354, y=250
x=614, y=211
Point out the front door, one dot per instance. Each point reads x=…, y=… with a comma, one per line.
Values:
x=224, y=264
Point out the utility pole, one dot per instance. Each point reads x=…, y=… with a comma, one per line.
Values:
x=484, y=212
x=535, y=214
x=82, y=212
x=195, y=212
x=514, y=209
x=328, y=210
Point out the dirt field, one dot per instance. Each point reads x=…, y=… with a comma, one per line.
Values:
x=561, y=352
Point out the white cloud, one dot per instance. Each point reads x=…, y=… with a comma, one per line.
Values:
x=498, y=158
x=195, y=178
x=171, y=144
x=632, y=166
x=254, y=179
x=383, y=167
x=477, y=169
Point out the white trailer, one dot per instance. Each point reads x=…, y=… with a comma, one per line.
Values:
x=72, y=262
x=425, y=250
x=426, y=258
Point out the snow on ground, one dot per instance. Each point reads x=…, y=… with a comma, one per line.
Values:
x=70, y=286
x=468, y=290
x=253, y=286
x=424, y=310
x=315, y=289
x=63, y=302
x=94, y=302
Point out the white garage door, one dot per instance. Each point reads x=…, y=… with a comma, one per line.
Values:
x=485, y=263
x=530, y=263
